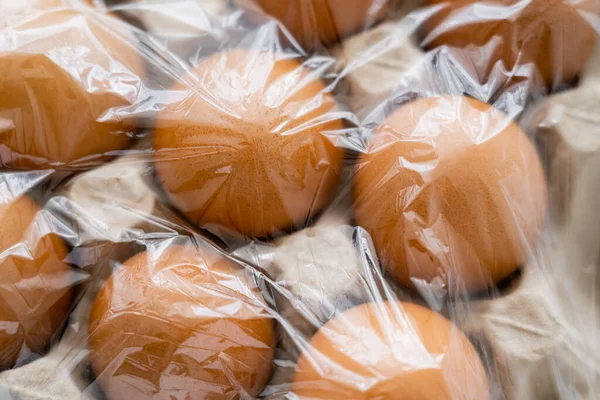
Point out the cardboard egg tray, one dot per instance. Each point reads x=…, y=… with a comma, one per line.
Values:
x=532, y=338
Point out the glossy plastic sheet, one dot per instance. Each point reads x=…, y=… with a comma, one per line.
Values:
x=325, y=199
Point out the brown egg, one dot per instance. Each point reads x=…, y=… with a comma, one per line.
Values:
x=178, y=322
x=452, y=191
x=557, y=36
x=65, y=75
x=35, y=281
x=390, y=351
x=315, y=22
x=23, y=7
x=245, y=150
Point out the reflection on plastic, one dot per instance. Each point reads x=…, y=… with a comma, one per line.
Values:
x=35, y=282
x=390, y=351
x=321, y=22
x=246, y=150
x=65, y=75
x=180, y=322
x=450, y=188
x=557, y=36
x=237, y=121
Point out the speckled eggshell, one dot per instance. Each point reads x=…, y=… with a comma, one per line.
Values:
x=65, y=72
x=452, y=191
x=180, y=322
x=390, y=351
x=35, y=282
x=557, y=36
x=248, y=150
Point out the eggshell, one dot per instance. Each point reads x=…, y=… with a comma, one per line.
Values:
x=557, y=36
x=35, y=281
x=452, y=191
x=247, y=150
x=316, y=22
x=389, y=351
x=23, y=8
x=179, y=322
x=65, y=75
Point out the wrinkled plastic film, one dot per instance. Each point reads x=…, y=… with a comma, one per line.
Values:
x=299, y=200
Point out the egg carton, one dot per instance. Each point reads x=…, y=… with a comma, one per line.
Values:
x=524, y=328
x=330, y=248
x=526, y=331
x=534, y=340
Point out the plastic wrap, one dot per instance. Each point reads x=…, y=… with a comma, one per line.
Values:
x=324, y=199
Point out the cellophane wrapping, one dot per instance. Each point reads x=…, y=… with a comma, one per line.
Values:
x=320, y=199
